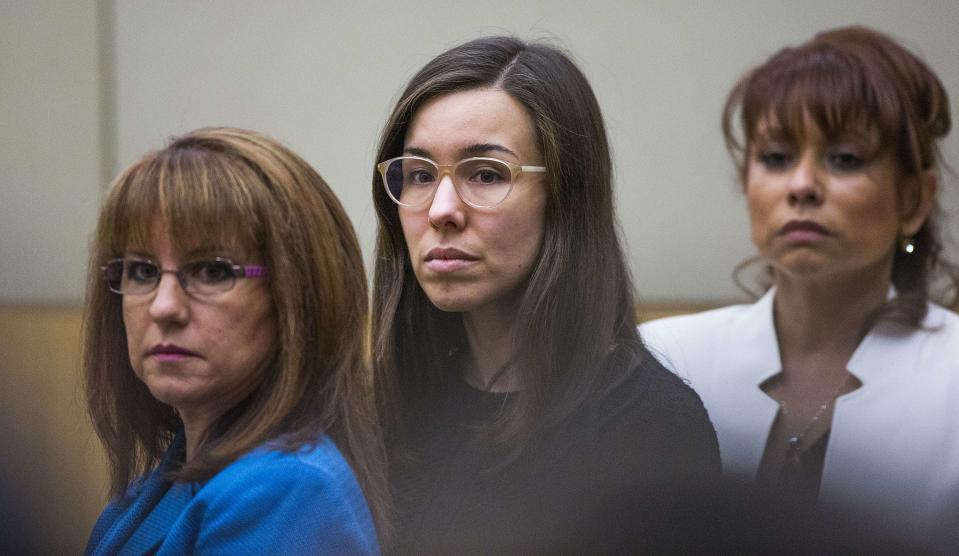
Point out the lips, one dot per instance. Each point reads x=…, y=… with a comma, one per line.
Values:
x=448, y=253
x=170, y=352
x=803, y=226
x=803, y=232
x=448, y=259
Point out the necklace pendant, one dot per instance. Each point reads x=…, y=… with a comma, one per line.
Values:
x=794, y=442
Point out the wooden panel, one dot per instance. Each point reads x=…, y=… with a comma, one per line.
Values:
x=51, y=456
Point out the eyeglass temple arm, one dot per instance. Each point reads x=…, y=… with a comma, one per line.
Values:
x=251, y=270
x=538, y=169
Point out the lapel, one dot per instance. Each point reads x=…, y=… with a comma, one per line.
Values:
x=140, y=501
x=864, y=419
x=747, y=354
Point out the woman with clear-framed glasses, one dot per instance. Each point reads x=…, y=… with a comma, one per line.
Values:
x=520, y=404
x=224, y=357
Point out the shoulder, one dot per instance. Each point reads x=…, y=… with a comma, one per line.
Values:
x=935, y=342
x=939, y=336
x=685, y=343
x=654, y=414
x=653, y=393
x=318, y=461
x=941, y=322
x=285, y=501
x=693, y=327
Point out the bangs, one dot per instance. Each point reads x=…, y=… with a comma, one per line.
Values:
x=205, y=199
x=822, y=86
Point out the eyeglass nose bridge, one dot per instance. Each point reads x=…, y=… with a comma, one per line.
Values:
x=180, y=280
x=448, y=170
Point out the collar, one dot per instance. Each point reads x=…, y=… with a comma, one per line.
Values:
x=759, y=359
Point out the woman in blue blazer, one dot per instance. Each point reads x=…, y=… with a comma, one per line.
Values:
x=224, y=357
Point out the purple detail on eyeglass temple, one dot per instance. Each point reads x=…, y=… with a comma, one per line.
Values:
x=254, y=271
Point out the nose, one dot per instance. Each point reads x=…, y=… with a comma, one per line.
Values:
x=447, y=208
x=805, y=187
x=170, y=304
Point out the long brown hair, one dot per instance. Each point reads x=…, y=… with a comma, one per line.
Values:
x=857, y=79
x=221, y=183
x=574, y=335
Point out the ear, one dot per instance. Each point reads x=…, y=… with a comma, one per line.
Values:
x=917, y=201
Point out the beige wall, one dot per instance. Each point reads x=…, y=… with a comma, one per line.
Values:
x=50, y=173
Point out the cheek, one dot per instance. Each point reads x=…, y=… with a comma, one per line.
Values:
x=259, y=339
x=520, y=237
x=413, y=225
x=876, y=220
x=758, y=208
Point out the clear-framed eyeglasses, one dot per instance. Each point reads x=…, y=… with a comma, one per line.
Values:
x=481, y=182
x=134, y=276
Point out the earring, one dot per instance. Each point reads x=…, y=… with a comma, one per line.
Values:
x=907, y=244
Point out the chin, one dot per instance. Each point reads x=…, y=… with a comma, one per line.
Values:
x=173, y=392
x=452, y=305
x=452, y=299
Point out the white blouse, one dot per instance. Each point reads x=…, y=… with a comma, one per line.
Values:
x=893, y=449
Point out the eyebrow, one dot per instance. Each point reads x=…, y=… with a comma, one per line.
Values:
x=475, y=149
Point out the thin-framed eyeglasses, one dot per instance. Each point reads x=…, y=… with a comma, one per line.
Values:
x=135, y=276
x=481, y=182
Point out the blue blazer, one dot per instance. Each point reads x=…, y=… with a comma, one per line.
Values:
x=267, y=502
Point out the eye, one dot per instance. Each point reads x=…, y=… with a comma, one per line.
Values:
x=487, y=176
x=419, y=176
x=142, y=272
x=209, y=272
x=774, y=158
x=845, y=161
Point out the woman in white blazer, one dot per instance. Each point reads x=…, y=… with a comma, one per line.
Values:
x=842, y=382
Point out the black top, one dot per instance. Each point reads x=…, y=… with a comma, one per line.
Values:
x=564, y=492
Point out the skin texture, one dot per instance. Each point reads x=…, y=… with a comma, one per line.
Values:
x=500, y=244
x=837, y=185
x=231, y=334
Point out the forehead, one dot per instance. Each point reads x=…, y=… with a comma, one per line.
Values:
x=448, y=126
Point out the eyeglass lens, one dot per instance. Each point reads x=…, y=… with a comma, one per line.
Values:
x=135, y=277
x=480, y=181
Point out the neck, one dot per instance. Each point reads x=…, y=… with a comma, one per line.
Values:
x=826, y=319
x=488, y=331
x=195, y=426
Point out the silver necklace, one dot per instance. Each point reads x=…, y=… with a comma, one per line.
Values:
x=795, y=441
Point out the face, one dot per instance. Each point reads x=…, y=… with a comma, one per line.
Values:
x=201, y=355
x=465, y=258
x=822, y=208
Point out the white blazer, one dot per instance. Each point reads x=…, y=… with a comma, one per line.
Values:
x=893, y=452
